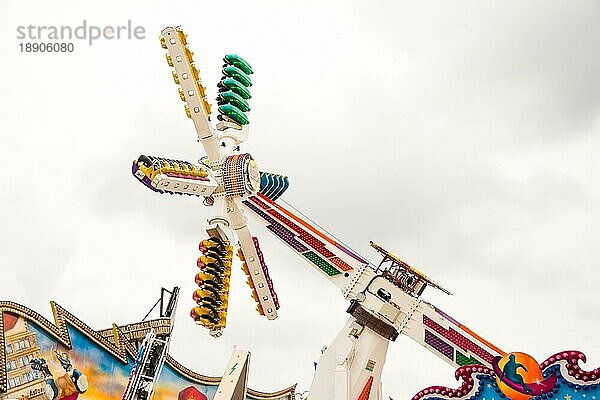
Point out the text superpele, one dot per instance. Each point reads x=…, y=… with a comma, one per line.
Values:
x=84, y=31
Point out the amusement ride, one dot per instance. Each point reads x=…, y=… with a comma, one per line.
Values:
x=384, y=300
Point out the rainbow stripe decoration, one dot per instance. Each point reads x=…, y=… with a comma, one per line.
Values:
x=449, y=341
x=301, y=236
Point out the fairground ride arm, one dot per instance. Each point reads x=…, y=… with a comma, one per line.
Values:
x=333, y=260
x=403, y=312
x=179, y=56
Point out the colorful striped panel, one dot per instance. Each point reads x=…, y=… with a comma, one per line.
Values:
x=304, y=235
x=340, y=264
x=350, y=253
x=286, y=221
x=288, y=235
x=470, y=332
x=316, y=244
x=458, y=339
x=260, y=212
x=314, y=230
x=461, y=359
x=262, y=204
x=321, y=263
x=438, y=344
x=233, y=177
x=285, y=234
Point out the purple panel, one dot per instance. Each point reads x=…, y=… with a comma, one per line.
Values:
x=281, y=231
x=265, y=269
x=321, y=249
x=350, y=253
x=439, y=345
x=260, y=212
x=145, y=180
x=449, y=318
x=288, y=237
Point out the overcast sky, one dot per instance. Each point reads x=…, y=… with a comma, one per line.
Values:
x=463, y=136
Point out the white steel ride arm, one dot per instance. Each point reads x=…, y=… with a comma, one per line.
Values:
x=228, y=178
x=379, y=303
x=254, y=263
x=185, y=73
x=351, y=366
x=385, y=302
x=333, y=260
x=402, y=309
x=448, y=339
